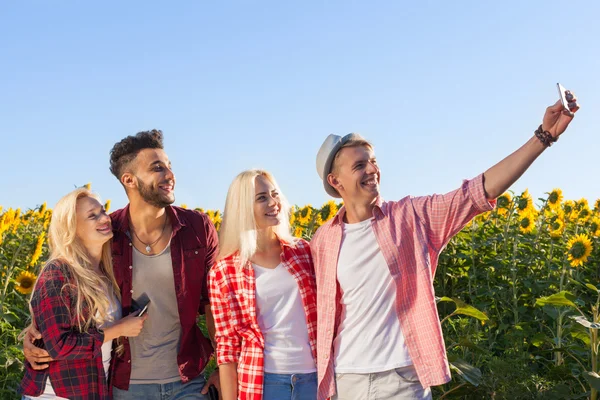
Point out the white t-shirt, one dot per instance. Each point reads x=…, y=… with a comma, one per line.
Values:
x=282, y=321
x=369, y=336
x=115, y=314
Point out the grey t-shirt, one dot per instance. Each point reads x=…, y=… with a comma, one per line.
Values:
x=154, y=351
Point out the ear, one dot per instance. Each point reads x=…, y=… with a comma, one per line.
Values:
x=334, y=181
x=128, y=180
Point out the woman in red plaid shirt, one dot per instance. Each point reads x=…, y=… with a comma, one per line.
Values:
x=263, y=297
x=75, y=305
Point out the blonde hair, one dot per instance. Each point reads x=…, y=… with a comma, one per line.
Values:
x=238, y=229
x=68, y=250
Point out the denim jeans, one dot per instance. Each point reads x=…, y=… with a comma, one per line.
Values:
x=168, y=391
x=290, y=386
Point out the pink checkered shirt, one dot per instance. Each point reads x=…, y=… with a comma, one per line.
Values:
x=232, y=295
x=411, y=234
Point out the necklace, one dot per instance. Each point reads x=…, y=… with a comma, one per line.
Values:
x=149, y=245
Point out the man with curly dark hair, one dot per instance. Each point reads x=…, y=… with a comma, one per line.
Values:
x=161, y=257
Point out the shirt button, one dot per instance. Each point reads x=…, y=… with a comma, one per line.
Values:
x=130, y=244
x=131, y=291
x=196, y=252
x=131, y=267
x=327, y=356
x=128, y=361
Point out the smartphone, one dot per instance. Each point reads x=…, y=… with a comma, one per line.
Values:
x=213, y=393
x=562, y=92
x=144, y=309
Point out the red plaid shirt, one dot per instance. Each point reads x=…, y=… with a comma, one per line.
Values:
x=194, y=246
x=77, y=371
x=233, y=303
x=411, y=234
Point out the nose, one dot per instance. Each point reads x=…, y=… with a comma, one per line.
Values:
x=272, y=201
x=169, y=173
x=104, y=218
x=372, y=168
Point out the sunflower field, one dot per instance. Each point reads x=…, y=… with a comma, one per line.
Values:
x=518, y=295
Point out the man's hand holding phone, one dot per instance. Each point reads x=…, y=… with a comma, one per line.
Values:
x=559, y=116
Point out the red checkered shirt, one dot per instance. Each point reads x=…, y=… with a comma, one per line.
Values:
x=77, y=371
x=411, y=233
x=233, y=303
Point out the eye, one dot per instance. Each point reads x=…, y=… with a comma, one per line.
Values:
x=275, y=194
x=158, y=168
x=260, y=198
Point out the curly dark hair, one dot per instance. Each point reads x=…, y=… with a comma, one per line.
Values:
x=124, y=152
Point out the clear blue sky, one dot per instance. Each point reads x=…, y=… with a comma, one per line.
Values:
x=443, y=89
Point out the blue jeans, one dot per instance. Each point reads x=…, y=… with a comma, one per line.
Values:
x=168, y=391
x=290, y=386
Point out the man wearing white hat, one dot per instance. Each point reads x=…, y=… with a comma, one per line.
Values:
x=379, y=335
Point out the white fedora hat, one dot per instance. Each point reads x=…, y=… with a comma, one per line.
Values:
x=325, y=157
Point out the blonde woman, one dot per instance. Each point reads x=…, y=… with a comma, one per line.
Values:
x=76, y=305
x=263, y=297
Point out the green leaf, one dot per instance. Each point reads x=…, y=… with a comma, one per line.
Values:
x=579, y=332
x=465, y=309
x=466, y=371
x=539, y=339
x=9, y=317
x=563, y=298
x=593, y=379
x=592, y=287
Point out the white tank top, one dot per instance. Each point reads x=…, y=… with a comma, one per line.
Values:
x=282, y=321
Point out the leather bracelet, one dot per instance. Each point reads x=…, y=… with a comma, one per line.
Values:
x=545, y=137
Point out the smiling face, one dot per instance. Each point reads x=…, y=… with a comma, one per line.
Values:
x=153, y=177
x=93, y=224
x=356, y=175
x=267, y=203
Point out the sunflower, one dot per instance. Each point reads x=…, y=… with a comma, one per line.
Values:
x=555, y=198
x=524, y=202
x=579, y=249
x=597, y=206
x=298, y=232
x=556, y=227
x=527, y=222
x=595, y=226
x=503, y=203
x=583, y=210
x=39, y=247
x=305, y=215
x=569, y=209
x=25, y=281
x=329, y=210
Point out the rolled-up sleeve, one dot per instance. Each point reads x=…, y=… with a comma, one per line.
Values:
x=212, y=249
x=445, y=215
x=226, y=337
